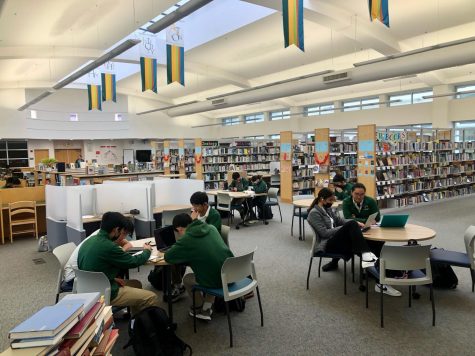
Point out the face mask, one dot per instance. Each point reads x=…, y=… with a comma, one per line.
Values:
x=327, y=205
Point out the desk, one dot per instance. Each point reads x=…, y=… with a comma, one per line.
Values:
x=161, y=208
x=410, y=234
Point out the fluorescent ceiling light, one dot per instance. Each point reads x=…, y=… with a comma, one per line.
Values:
x=166, y=108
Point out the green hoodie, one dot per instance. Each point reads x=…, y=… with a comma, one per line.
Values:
x=203, y=249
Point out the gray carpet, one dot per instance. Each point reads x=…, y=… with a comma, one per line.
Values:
x=296, y=321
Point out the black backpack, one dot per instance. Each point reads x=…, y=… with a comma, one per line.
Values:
x=443, y=276
x=151, y=335
x=266, y=212
x=238, y=304
x=155, y=277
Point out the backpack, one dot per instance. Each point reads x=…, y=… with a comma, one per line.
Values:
x=43, y=244
x=238, y=304
x=155, y=277
x=267, y=212
x=443, y=276
x=151, y=335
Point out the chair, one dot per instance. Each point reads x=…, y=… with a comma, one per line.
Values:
x=238, y=276
x=404, y=258
x=225, y=234
x=303, y=214
x=459, y=259
x=62, y=253
x=225, y=203
x=87, y=282
x=273, y=200
x=168, y=215
x=193, y=176
x=323, y=254
x=22, y=213
x=275, y=180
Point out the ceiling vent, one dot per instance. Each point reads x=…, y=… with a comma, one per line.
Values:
x=218, y=102
x=335, y=77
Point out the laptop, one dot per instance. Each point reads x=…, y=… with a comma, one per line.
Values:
x=394, y=220
x=164, y=238
x=370, y=221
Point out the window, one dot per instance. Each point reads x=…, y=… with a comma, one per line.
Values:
x=321, y=109
x=33, y=114
x=410, y=98
x=254, y=137
x=351, y=105
x=274, y=137
x=229, y=121
x=252, y=118
x=400, y=99
x=369, y=103
x=13, y=153
x=463, y=89
x=280, y=115
x=419, y=97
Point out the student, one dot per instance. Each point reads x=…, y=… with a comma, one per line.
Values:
x=239, y=184
x=259, y=186
x=358, y=206
x=199, y=201
x=78, y=162
x=201, y=247
x=68, y=280
x=101, y=254
x=342, y=188
x=12, y=182
x=337, y=235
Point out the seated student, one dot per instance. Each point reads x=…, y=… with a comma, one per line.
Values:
x=199, y=201
x=337, y=235
x=100, y=253
x=12, y=182
x=68, y=280
x=259, y=186
x=201, y=247
x=239, y=184
x=342, y=188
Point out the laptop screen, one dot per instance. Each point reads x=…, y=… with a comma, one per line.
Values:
x=164, y=237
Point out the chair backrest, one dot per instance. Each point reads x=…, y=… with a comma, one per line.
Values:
x=63, y=252
x=21, y=207
x=237, y=268
x=87, y=282
x=168, y=215
x=272, y=194
x=225, y=234
x=224, y=201
x=314, y=241
x=303, y=196
x=469, y=238
x=405, y=257
x=193, y=176
x=275, y=179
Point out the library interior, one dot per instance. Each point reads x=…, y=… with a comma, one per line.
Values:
x=309, y=193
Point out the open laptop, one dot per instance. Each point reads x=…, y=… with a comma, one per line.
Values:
x=370, y=221
x=394, y=220
x=164, y=238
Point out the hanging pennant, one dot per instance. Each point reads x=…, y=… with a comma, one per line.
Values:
x=108, y=83
x=175, y=56
x=148, y=63
x=94, y=91
x=293, y=23
x=379, y=10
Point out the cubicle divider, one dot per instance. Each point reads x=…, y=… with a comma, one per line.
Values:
x=81, y=203
x=56, y=215
x=176, y=191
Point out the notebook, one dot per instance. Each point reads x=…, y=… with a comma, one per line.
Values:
x=394, y=220
x=164, y=238
x=370, y=221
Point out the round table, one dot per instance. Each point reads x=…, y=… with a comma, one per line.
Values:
x=305, y=203
x=410, y=234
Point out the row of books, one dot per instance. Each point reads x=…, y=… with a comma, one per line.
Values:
x=214, y=185
x=415, y=146
x=343, y=160
x=417, y=159
x=304, y=184
x=427, y=197
x=239, y=159
x=343, y=147
x=79, y=324
x=240, y=151
x=209, y=168
x=424, y=173
x=402, y=187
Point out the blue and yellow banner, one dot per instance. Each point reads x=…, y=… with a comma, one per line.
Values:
x=378, y=9
x=108, y=87
x=175, y=64
x=293, y=23
x=94, y=96
x=148, y=73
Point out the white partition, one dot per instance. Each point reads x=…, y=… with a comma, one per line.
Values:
x=80, y=202
x=148, y=183
x=56, y=202
x=176, y=191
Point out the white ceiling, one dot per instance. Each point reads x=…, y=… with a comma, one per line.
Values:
x=230, y=44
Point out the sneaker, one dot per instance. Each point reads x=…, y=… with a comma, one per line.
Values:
x=330, y=266
x=202, y=314
x=388, y=290
x=177, y=293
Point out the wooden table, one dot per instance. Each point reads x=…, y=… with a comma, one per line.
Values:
x=409, y=234
x=161, y=208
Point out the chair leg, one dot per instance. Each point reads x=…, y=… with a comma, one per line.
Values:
x=433, y=304
x=229, y=324
x=194, y=311
x=410, y=296
x=280, y=212
x=353, y=269
x=344, y=276
x=366, y=283
x=260, y=305
x=382, y=294
x=309, y=268
x=472, y=274
x=292, y=225
x=319, y=267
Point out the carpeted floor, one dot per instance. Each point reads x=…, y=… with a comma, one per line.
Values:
x=320, y=321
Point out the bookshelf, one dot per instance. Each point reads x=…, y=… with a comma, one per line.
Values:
x=343, y=154
x=189, y=159
x=322, y=158
x=366, y=158
x=286, y=171
x=303, y=162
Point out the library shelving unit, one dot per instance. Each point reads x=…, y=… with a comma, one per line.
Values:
x=189, y=159
x=303, y=162
x=198, y=156
x=343, y=154
x=322, y=158
x=366, y=158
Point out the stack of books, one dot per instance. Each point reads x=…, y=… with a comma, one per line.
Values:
x=79, y=324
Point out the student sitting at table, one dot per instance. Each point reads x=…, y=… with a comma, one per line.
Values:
x=337, y=235
x=101, y=254
x=68, y=280
x=199, y=201
x=342, y=188
x=201, y=247
x=259, y=186
x=240, y=184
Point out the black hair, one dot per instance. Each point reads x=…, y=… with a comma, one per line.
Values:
x=129, y=225
x=256, y=177
x=182, y=220
x=358, y=185
x=111, y=220
x=338, y=178
x=323, y=193
x=199, y=198
x=236, y=175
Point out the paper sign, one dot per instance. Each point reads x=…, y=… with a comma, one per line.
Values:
x=321, y=146
x=366, y=146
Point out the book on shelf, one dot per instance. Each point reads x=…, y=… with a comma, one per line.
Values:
x=107, y=342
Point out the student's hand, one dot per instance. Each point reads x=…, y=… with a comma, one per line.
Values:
x=120, y=282
x=127, y=246
x=194, y=215
x=147, y=246
x=360, y=224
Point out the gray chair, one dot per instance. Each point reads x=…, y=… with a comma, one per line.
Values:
x=404, y=258
x=225, y=203
x=238, y=276
x=168, y=215
x=225, y=234
x=273, y=199
x=459, y=259
x=302, y=215
x=275, y=180
x=87, y=282
x=62, y=253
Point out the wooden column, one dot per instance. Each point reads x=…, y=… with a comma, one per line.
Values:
x=181, y=157
x=166, y=153
x=198, y=159
x=367, y=158
x=286, y=191
x=322, y=159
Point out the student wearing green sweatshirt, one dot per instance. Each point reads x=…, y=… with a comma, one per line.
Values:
x=201, y=247
x=199, y=201
x=101, y=253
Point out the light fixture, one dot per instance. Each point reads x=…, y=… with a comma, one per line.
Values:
x=124, y=46
x=73, y=117
x=118, y=117
x=33, y=114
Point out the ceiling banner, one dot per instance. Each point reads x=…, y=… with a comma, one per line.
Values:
x=293, y=23
x=379, y=10
x=175, y=55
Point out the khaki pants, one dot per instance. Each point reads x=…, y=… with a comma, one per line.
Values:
x=189, y=281
x=132, y=295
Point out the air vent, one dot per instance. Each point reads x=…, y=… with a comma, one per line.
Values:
x=218, y=102
x=335, y=77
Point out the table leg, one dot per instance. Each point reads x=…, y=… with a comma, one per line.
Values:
x=168, y=290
